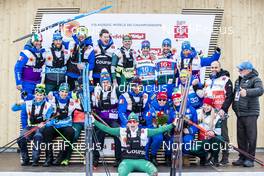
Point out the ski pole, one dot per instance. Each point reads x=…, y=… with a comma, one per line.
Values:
x=14, y=141
x=66, y=140
x=100, y=119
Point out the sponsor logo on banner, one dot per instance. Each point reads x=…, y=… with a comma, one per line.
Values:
x=117, y=36
x=138, y=36
x=181, y=30
x=155, y=50
x=69, y=28
x=134, y=36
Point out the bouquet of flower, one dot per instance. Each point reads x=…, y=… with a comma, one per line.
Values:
x=161, y=118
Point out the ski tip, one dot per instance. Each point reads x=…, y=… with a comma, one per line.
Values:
x=106, y=7
x=14, y=41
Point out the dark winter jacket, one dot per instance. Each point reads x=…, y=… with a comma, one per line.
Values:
x=248, y=105
x=228, y=88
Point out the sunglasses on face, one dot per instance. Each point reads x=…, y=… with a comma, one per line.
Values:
x=214, y=67
x=132, y=121
x=161, y=100
x=42, y=91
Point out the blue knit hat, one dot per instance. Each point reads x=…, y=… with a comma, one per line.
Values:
x=145, y=44
x=186, y=45
x=57, y=35
x=167, y=42
x=64, y=87
x=105, y=76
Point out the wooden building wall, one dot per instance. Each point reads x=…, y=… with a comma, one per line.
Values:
x=241, y=38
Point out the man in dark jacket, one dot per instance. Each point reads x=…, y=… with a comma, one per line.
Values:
x=248, y=89
x=220, y=88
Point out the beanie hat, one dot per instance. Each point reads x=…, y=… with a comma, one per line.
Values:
x=134, y=116
x=208, y=101
x=167, y=42
x=186, y=45
x=126, y=37
x=176, y=95
x=57, y=35
x=145, y=44
x=245, y=65
x=64, y=87
x=105, y=76
x=136, y=80
x=184, y=73
x=40, y=88
x=36, y=37
x=162, y=96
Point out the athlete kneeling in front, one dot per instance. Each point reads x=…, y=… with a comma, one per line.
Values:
x=133, y=141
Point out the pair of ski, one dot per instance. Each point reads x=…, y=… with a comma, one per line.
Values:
x=89, y=131
x=176, y=158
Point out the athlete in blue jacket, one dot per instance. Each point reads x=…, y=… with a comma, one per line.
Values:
x=193, y=98
x=189, y=54
x=159, y=109
x=37, y=112
x=134, y=100
x=29, y=66
x=188, y=130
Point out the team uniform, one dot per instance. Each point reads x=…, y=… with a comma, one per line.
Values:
x=197, y=61
x=132, y=102
x=133, y=146
x=55, y=65
x=105, y=103
x=103, y=59
x=166, y=65
x=187, y=139
x=210, y=122
x=37, y=112
x=28, y=69
x=152, y=122
x=81, y=52
x=63, y=123
x=146, y=71
x=123, y=65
